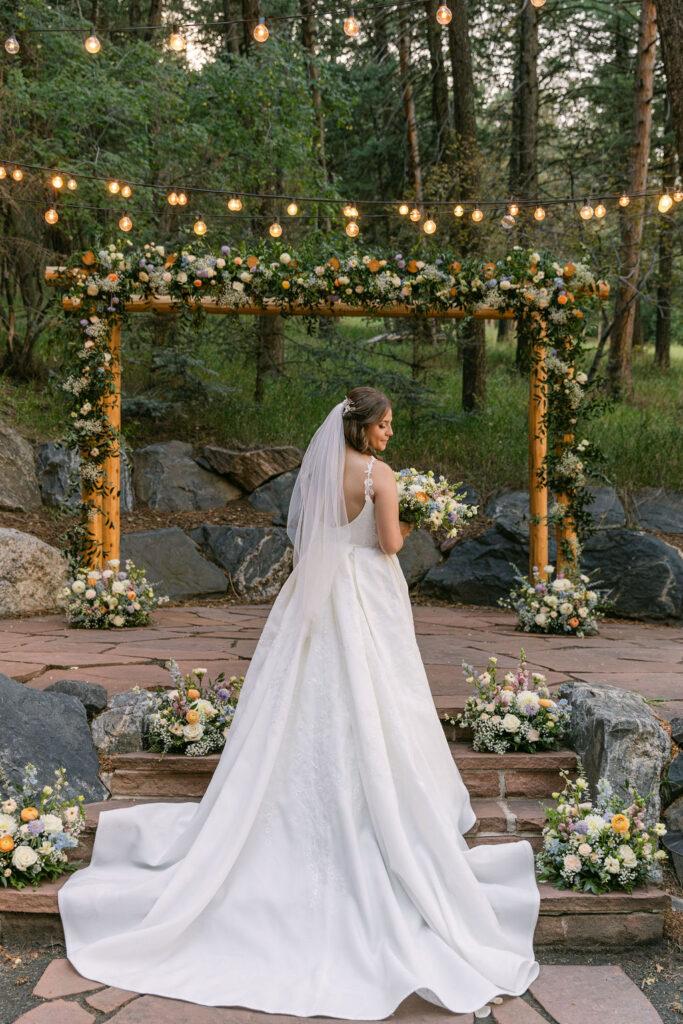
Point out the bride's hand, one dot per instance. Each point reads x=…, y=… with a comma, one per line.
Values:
x=405, y=528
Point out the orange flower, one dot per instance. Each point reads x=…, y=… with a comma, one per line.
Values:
x=454, y=291
x=6, y=844
x=252, y=261
x=112, y=277
x=29, y=814
x=131, y=595
x=545, y=703
x=456, y=267
x=578, y=314
x=334, y=263
x=286, y=285
x=193, y=694
x=620, y=823
x=197, y=283
x=373, y=266
x=568, y=270
x=192, y=716
x=412, y=266
x=421, y=497
x=574, y=622
x=562, y=300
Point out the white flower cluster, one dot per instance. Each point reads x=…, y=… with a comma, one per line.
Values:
x=109, y=598
x=195, y=717
x=564, y=605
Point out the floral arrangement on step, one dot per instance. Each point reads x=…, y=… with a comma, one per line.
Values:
x=516, y=712
x=109, y=598
x=430, y=501
x=37, y=827
x=568, y=604
x=598, y=847
x=195, y=717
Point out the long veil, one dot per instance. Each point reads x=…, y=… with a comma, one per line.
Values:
x=317, y=515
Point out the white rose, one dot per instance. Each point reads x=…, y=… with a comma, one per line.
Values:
x=511, y=723
x=9, y=806
x=583, y=612
x=189, y=257
x=566, y=608
x=78, y=586
x=245, y=276
x=238, y=286
x=118, y=620
x=143, y=276
x=285, y=258
x=193, y=731
x=117, y=587
x=628, y=856
x=572, y=863
x=540, y=619
x=8, y=825
x=220, y=263
x=205, y=707
x=107, y=574
x=51, y=822
x=585, y=849
x=181, y=277
x=166, y=277
x=90, y=594
x=24, y=857
x=532, y=735
x=581, y=377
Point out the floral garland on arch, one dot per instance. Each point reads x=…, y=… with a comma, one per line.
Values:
x=521, y=283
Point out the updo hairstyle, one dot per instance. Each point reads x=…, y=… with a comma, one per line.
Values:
x=368, y=406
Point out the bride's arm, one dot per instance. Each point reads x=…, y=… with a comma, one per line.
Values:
x=390, y=531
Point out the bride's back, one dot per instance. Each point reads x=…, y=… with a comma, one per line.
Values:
x=355, y=468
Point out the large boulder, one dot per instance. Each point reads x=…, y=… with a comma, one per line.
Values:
x=511, y=509
x=618, y=737
x=418, y=555
x=57, y=466
x=274, y=496
x=50, y=730
x=659, y=510
x=19, y=490
x=642, y=574
x=258, y=559
x=32, y=574
x=92, y=696
x=173, y=563
x=122, y=727
x=167, y=477
x=248, y=470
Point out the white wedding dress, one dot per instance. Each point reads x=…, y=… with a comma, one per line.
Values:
x=325, y=871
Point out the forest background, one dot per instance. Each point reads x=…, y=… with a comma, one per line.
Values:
x=576, y=99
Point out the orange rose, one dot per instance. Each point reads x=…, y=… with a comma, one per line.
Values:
x=412, y=266
x=620, y=823
x=456, y=267
x=112, y=277
x=562, y=300
x=29, y=814
x=334, y=263
x=568, y=270
x=252, y=261
x=193, y=694
x=373, y=266
x=286, y=285
x=545, y=703
x=421, y=497
x=454, y=291
x=6, y=844
x=131, y=595
x=574, y=622
x=192, y=716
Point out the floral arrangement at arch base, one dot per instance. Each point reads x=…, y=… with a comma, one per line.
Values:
x=568, y=604
x=516, y=712
x=195, y=717
x=598, y=847
x=110, y=598
x=37, y=827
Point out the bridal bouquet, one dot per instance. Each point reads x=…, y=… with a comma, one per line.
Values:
x=109, y=599
x=564, y=605
x=36, y=828
x=427, y=500
x=513, y=713
x=195, y=717
x=597, y=847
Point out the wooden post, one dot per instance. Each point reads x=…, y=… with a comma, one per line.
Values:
x=565, y=531
x=91, y=493
x=111, y=489
x=538, y=446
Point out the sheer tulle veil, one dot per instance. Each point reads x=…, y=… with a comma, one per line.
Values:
x=317, y=515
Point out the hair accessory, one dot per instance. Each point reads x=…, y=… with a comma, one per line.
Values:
x=347, y=406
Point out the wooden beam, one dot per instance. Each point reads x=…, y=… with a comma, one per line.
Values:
x=111, y=490
x=538, y=446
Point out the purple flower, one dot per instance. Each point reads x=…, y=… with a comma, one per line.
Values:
x=222, y=693
x=115, y=301
x=491, y=283
x=531, y=710
x=581, y=827
x=539, y=588
x=438, y=262
x=142, y=261
x=225, y=249
x=398, y=256
x=84, y=323
x=35, y=827
x=111, y=309
x=122, y=575
x=202, y=273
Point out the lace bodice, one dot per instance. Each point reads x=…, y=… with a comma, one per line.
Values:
x=363, y=529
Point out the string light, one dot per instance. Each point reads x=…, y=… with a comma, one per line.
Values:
x=125, y=223
x=72, y=184
x=11, y=44
x=513, y=209
x=114, y=187
x=352, y=229
x=404, y=209
x=415, y=215
x=429, y=226
x=3, y=172
x=17, y=174
x=624, y=200
x=477, y=215
x=678, y=195
x=182, y=199
x=275, y=229
x=586, y=211
x=665, y=203
x=458, y=210
x=443, y=15
x=539, y=213
x=235, y=204
x=600, y=211
x=51, y=215
x=261, y=32
x=351, y=26
x=508, y=221
x=172, y=198
x=92, y=43
x=57, y=181
x=350, y=211
x=177, y=41
x=292, y=209
x=199, y=227
x=126, y=191
x=538, y=3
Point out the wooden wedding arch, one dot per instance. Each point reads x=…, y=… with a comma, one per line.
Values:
x=104, y=529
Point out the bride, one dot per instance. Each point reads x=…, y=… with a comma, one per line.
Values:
x=324, y=872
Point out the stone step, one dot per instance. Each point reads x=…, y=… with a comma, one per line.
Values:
x=528, y=776
x=567, y=919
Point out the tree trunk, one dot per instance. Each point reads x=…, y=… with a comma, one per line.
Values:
x=621, y=341
x=440, y=105
x=665, y=266
x=232, y=30
x=409, y=102
x=270, y=359
x=153, y=18
x=670, y=22
x=308, y=39
x=250, y=13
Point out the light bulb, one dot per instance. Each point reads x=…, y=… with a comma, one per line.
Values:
x=350, y=211
x=429, y=226
x=507, y=221
x=177, y=41
x=539, y=213
x=51, y=215
x=477, y=215
x=352, y=229
x=126, y=191
x=351, y=26
x=182, y=199
x=57, y=181
x=199, y=227
x=415, y=215
x=665, y=203
x=172, y=198
x=125, y=223
x=537, y=3
x=443, y=15
x=586, y=211
x=624, y=200
x=404, y=209
x=458, y=210
x=678, y=195
x=72, y=184
x=11, y=44
x=114, y=187
x=3, y=172
x=17, y=174
x=261, y=32
x=600, y=211
x=292, y=209
x=234, y=204
x=92, y=43
x=275, y=229
x=513, y=209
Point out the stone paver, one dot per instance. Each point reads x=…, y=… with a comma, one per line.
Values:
x=110, y=999
x=592, y=995
x=58, y=1012
x=60, y=979
x=643, y=657
x=516, y=1011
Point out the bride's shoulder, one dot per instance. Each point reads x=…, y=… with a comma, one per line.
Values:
x=383, y=474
